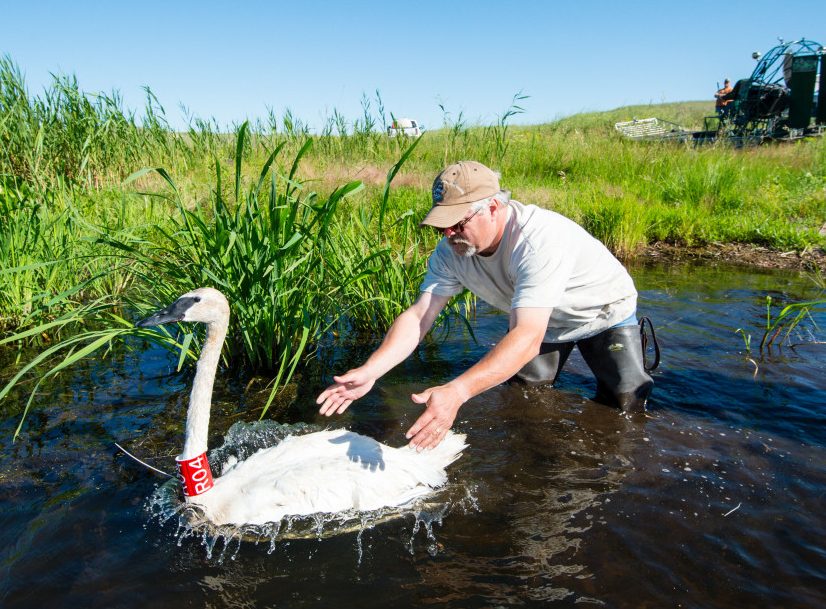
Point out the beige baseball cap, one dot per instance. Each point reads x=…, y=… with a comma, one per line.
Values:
x=458, y=187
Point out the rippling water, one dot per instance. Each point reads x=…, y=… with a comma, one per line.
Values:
x=715, y=498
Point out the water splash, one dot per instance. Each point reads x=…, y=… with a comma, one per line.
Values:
x=166, y=505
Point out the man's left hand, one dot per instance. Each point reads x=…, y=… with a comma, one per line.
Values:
x=431, y=427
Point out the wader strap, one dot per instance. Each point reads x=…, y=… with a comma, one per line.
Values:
x=644, y=341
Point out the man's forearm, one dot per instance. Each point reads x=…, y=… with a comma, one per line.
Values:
x=517, y=348
x=401, y=339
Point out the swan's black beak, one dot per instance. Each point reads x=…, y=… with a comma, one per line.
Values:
x=171, y=314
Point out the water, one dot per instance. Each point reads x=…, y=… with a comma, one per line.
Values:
x=715, y=498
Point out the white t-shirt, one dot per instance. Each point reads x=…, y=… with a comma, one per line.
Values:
x=543, y=260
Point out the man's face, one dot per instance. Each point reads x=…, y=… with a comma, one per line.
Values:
x=474, y=234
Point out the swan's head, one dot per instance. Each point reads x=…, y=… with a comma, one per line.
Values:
x=205, y=305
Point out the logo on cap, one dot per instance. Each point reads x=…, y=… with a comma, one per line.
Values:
x=438, y=191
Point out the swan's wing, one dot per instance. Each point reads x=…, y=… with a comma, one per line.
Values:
x=330, y=471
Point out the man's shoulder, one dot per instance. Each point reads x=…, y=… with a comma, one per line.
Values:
x=538, y=233
x=551, y=234
x=533, y=219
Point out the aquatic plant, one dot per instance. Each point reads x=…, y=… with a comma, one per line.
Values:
x=48, y=261
x=787, y=319
x=454, y=128
x=782, y=324
x=746, y=338
x=66, y=135
x=74, y=232
x=771, y=196
x=266, y=251
x=383, y=252
x=497, y=134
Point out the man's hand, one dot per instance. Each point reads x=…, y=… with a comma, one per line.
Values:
x=401, y=339
x=517, y=348
x=431, y=427
x=348, y=387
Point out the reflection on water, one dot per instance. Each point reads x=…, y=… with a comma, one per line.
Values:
x=557, y=459
x=714, y=498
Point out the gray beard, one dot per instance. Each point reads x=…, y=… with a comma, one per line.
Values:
x=470, y=250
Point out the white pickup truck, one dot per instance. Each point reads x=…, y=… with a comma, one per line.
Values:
x=405, y=126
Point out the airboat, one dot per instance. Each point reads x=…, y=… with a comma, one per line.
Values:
x=780, y=101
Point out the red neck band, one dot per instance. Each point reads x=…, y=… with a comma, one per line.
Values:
x=195, y=475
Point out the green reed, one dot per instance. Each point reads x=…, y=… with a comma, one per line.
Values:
x=83, y=252
x=782, y=319
x=383, y=252
x=263, y=246
x=629, y=194
x=271, y=245
x=67, y=135
x=789, y=317
x=579, y=165
x=46, y=266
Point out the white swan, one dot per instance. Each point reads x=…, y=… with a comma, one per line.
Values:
x=326, y=471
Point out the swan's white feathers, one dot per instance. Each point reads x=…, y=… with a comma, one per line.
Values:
x=326, y=471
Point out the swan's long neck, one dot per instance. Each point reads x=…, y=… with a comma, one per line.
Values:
x=200, y=400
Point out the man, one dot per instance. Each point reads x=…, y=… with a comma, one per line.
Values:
x=561, y=287
x=723, y=98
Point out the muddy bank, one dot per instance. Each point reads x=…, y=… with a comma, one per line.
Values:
x=737, y=253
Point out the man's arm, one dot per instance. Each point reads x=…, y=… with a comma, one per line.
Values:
x=519, y=346
x=401, y=339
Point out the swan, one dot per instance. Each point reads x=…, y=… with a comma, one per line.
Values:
x=327, y=471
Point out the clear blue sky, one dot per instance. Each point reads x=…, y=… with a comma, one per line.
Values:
x=231, y=62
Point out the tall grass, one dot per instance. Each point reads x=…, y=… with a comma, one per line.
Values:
x=263, y=246
x=579, y=165
x=271, y=245
x=382, y=252
x=48, y=261
x=67, y=135
x=83, y=249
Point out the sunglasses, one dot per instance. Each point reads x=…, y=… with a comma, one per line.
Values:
x=460, y=226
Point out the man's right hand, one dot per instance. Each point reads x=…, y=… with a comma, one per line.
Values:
x=348, y=387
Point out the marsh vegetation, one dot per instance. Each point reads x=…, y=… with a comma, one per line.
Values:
x=106, y=212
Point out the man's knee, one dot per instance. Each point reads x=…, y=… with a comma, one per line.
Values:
x=545, y=367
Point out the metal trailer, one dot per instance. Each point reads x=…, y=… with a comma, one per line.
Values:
x=652, y=129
